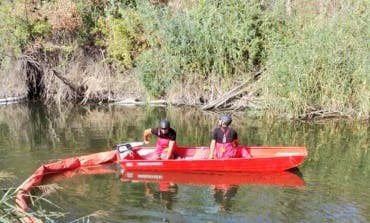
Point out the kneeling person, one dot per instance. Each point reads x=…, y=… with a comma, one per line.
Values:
x=166, y=139
x=224, y=140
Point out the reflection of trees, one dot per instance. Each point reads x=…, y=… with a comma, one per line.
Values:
x=13, y=125
x=40, y=126
x=35, y=126
x=97, y=126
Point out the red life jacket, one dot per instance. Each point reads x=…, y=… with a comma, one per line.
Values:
x=224, y=149
x=161, y=145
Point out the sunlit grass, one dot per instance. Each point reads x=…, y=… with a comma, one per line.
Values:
x=10, y=212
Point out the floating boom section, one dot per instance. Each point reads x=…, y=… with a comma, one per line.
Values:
x=60, y=166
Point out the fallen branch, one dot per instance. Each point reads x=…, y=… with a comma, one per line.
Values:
x=322, y=114
x=222, y=102
x=80, y=90
x=9, y=100
x=138, y=102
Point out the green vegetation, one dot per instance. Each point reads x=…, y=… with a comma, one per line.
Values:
x=9, y=212
x=323, y=64
x=305, y=59
x=123, y=36
x=210, y=41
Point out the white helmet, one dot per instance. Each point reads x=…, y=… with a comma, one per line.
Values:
x=225, y=119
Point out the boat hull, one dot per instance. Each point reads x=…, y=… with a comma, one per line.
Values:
x=261, y=159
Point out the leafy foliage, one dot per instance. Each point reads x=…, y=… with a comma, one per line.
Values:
x=157, y=71
x=13, y=31
x=123, y=36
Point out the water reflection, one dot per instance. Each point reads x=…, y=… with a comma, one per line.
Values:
x=163, y=192
x=285, y=178
x=224, y=185
x=223, y=193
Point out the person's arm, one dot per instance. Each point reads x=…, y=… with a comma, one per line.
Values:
x=212, y=148
x=147, y=133
x=170, y=149
x=235, y=141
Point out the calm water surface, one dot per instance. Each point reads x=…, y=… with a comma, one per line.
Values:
x=336, y=174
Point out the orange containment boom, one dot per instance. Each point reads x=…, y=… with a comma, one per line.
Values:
x=57, y=167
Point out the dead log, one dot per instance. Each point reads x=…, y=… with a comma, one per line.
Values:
x=10, y=100
x=139, y=102
x=322, y=114
x=228, y=96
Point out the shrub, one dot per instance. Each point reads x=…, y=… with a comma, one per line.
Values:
x=123, y=36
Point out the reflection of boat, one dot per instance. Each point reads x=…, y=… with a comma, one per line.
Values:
x=284, y=178
x=248, y=159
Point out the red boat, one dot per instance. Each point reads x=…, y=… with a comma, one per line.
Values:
x=248, y=159
x=284, y=178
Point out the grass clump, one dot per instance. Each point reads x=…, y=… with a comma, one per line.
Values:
x=11, y=213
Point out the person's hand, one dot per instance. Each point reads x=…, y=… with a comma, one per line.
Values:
x=146, y=141
x=212, y=149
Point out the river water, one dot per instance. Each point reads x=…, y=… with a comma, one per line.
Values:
x=332, y=185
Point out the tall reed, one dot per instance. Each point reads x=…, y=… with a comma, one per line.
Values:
x=210, y=41
x=319, y=63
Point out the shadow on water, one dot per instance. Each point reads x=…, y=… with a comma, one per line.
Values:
x=296, y=171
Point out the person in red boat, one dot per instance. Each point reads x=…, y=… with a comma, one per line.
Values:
x=166, y=139
x=224, y=139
